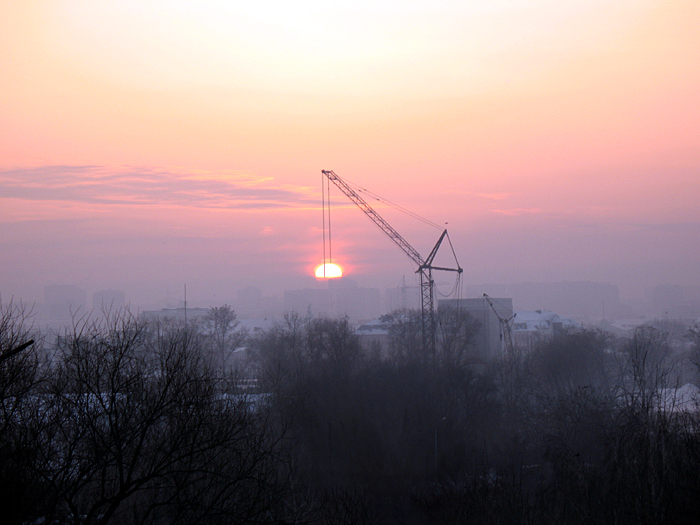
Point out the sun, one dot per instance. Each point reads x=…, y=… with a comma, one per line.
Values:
x=328, y=271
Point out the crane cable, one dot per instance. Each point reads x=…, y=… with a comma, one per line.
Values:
x=457, y=287
x=374, y=196
x=326, y=205
x=330, y=242
x=323, y=211
x=326, y=210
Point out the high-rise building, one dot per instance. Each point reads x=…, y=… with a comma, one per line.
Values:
x=488, y=341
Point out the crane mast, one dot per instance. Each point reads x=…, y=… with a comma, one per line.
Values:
x=425, y=266
x=506, y=329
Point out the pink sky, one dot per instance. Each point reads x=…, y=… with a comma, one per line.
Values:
x=145, y=144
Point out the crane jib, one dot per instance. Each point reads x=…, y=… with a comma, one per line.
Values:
x=376, y=218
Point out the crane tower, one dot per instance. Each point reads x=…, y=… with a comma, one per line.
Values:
x=506, y=329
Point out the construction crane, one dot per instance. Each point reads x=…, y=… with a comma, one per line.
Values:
x=506, y=329
x=425, y=266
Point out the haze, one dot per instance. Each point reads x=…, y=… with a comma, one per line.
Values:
x=148, y=144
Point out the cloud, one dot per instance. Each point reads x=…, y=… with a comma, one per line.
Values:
x=128, y=186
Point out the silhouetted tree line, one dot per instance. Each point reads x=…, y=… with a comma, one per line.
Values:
x=127, y=422
x=133, y=422
x=585, y=429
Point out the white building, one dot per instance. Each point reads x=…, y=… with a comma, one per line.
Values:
x=532, y=327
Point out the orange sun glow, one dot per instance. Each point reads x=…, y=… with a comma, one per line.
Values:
x=328, y=271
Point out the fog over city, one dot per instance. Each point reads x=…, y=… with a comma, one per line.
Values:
x=150, y=233
x=505, y=194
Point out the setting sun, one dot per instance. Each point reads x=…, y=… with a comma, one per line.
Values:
x=328, y=271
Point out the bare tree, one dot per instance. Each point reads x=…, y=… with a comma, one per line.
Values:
x=693, y=336
x=225, y=335
x=21, y=373
x=455, y=335
x=281, y=352
x=405, y=336
x=19, y=370
x=456, y=332
x=332, y=342
x=648, y=368
x=573, y=359
x=135, y=430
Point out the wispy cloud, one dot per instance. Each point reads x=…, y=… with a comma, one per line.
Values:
x=128, y=186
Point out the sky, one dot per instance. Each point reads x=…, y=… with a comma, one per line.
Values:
x=149, y=144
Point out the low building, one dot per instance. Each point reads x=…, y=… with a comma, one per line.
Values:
x=174, y=314
x=684, y=399
x=374, y=336
x=532, y=327
x=256, y=327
